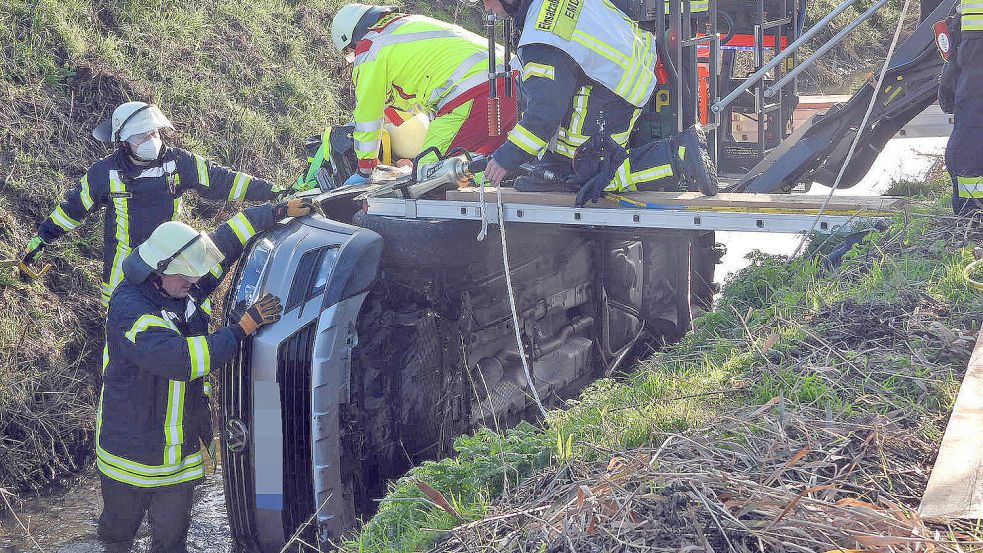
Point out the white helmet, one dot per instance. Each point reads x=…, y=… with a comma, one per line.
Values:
x=407, y=131
x=129, y=119
x=175, y=248
x=351, y=22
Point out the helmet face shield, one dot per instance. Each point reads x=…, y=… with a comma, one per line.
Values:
x=194, y=259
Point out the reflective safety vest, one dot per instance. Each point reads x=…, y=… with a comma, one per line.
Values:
x=970, y=187
x=608, y=46
x=406, y=61
x=972, y=17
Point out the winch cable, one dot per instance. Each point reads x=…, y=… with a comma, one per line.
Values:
x=860, y=130
x=515, y=312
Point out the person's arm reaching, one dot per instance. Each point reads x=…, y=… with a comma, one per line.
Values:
x=549, y=82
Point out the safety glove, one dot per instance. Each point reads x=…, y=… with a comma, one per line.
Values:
x=31, y=252
x=595, y=164
x=264, y=312
x=294, y=207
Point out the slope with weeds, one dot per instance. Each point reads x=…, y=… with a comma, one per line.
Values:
x=244, y=82
x=802, y=414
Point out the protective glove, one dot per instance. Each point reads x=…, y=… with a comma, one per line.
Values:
x=294, y=207
x=358, y=178
x=264, y=312
x=595, y=164
x=30, y=254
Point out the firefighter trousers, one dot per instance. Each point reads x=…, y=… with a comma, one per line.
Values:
x=168, y=508
x=962, y=153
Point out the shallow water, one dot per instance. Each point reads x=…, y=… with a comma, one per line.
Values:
x=66, y=522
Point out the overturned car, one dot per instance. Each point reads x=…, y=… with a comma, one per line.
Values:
x=397, y=336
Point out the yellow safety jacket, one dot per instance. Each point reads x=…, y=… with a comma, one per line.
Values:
x=410, y=60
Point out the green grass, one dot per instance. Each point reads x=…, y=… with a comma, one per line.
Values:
x=782, y=329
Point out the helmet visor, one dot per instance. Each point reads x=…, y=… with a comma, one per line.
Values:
x=195, y=259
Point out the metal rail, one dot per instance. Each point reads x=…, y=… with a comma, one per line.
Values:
x=625, y=218
x=789, y=50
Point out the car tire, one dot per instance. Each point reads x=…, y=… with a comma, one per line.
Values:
x=435, y=243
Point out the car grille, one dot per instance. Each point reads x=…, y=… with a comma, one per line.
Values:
x=294, y=376
x=240, y=494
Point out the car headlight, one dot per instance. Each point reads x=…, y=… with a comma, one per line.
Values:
x=252, y=275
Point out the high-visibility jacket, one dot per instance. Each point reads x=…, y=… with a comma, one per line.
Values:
x=153, y=409
x=410, y=60
x=605, y=43
x=972, y=17
x=139, y=198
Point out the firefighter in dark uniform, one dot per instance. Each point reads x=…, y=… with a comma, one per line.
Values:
x=153, y=409
x=962, y=86
x=141, y=185
x=587, y=70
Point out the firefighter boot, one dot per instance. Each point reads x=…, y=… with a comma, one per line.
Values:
x=692, y=162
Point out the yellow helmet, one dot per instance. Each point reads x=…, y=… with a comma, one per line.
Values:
x=407, y=132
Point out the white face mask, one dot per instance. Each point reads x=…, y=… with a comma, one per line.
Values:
x=150, y=149
x=350, y=56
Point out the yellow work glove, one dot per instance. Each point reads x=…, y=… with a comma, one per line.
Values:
x=294, y=207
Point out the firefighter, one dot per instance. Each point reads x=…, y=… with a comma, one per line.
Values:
x=141, y=185
x=411, y=61
x=153, y=409
x=587, y=69
x=963, y=78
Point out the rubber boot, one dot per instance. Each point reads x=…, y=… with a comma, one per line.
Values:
x=692, y=163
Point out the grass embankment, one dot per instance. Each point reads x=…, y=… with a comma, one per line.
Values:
x=832, y=383
x=244, y=82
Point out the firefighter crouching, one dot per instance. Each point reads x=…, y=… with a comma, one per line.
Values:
x=963, y=83
x=414, y=62
x=587, y=70
x=153, y=409
x=140, y=185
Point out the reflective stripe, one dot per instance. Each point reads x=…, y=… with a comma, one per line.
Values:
x=367, y=147
x=60, y=218
x=580, y=109
x=201, y=363
x=601, y=48
x=371, y=126
x=681, y=152
x=217, y=272
x=206, y=306
x=174, y=422
x=972, y=7
x=388, y=39
x=970, y=187
x=107, y=293
x=973, y=22
x=242, y=227
x=202, y=171
x=120, y=209
x=533, y=69
x=622, y=179
x=86, y=194
x=190, y=473
x=239, y=186
x=651, y=174
x=147, y=321
x=456, y=84
x=526, y=140
x=206, y=387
